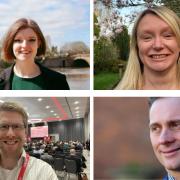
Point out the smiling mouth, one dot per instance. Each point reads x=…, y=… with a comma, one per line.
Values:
x=25, y=52
x=10, y=142
x=172, y=151
x=158, y=56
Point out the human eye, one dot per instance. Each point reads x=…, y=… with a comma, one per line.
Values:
x=175, y=125
x=146, y=37
x=15, y=126
x=18, y=126
x=17, y=40
x=4, y=126
x=168, y=35
x=32, y=39
x=155, y=128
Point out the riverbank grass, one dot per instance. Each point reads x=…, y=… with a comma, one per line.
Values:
x=106, y=80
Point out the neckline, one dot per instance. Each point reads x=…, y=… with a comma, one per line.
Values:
x=26, y=76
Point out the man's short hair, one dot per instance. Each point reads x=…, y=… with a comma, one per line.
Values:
x=14, y=107
x=151, y=100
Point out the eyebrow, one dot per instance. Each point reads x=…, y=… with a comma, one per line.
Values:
x=167, y=28
x=170, y=121
x=32, y=36
x=28, y=37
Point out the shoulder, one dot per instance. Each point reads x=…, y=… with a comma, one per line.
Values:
x=38, y=162
x=38, y=168
x=53, y=80
x=6, y=72
x=5, y=76
x=50, y=72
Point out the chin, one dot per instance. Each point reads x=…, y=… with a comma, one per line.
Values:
x=23, y=59
x=160, y=68
x=172, y=166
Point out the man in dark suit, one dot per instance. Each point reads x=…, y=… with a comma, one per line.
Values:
x=165, y=133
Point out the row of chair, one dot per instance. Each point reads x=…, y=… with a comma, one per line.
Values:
x=64, y=167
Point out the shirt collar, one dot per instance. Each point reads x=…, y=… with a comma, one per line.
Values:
x=170, y=177
x=22, y=158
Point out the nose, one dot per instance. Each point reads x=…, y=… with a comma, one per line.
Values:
x=10, y=132
x=158, y=43
x=166, y=137
x=24, y=43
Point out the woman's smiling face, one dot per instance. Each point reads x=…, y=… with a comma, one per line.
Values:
x=158, y=48
x=25, y=45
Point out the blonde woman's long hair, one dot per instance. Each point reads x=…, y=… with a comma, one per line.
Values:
x=132, y=78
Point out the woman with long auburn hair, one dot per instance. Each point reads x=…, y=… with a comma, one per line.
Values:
x=22, y=43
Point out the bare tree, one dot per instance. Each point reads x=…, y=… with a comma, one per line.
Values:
x=74, y=48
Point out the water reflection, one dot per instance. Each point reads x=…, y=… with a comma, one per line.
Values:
x=78, y=78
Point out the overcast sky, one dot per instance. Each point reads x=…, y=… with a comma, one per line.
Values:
x=62, y=20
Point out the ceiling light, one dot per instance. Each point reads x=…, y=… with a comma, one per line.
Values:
x=34, y=120
x=47, y=107
x=39, y=99
x=51, y=111
x=76, y=102
x=77, y=112
x=77, y=107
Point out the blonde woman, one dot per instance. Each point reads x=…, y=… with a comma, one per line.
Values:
x=154, y=52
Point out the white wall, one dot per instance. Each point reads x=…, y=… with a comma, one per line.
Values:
x=86, y=126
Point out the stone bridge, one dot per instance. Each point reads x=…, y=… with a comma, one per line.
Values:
x=77, y=60
x=81, y=58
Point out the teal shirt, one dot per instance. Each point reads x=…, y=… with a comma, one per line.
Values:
x=35, y=83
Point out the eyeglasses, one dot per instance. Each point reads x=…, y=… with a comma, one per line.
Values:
x=15, y=127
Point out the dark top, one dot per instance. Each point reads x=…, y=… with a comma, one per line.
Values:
x=52, y=80
x=78, y=161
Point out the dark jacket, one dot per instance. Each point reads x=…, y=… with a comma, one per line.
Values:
x=168, y=178
x=78, y=161
x=52, y=79
x=165, y=178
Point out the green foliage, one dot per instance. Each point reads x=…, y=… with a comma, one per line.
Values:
x=173, y=5
x=105, y=55
x=105, y=80
x=122, y=42
x=96, y=26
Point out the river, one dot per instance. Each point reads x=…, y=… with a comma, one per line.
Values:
x=78, y=78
